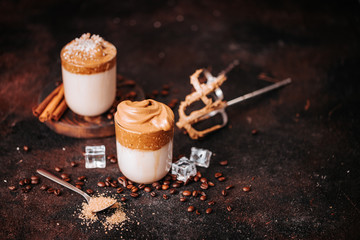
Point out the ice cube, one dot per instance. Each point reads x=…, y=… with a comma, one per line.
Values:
x=95, y=157
x=183, y=169
x=201, y=157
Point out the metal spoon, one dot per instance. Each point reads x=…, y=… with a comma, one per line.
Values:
x=71, y=187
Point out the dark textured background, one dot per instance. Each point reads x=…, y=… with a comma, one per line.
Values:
x=303, y=166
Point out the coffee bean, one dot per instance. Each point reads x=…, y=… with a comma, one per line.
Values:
x=166, y=182
x=154, y=184
x=78, y=186
x=50, y=190
x=186, y=193
x=57, y=192
x=26, y=181
x=224, y=193
x=164, y=93
x=129, y=186
x=202, y=198
x=119, y=190
x=114, y=184
x=109, y=116
x=173, y=177
x=123, y=181
x=134, y=189
x=147, y=189
x=196, y=179
x=21, y=183
x=28, y=187
x=108, y=179
x=58, y=169
x=246, y=189
x=123, y=199
x=210, y=203
x=153, y=194
x=221, y=179
x=134, y=194
x=165, y=87
x=217, y=175
x=34, y=178
x=165, y=187
x=113, y=160
x=167, y=179
x=223, y=163
x=211, y=184
x=107, y=183
x=191, y=209
x=155, y=93
x=101, y=184
x=26, y=148
x=176, y=185
x=64, y=175
x=80, y=183
x=130, y=182
x=195, y=193
x=166, y=197
x=179, y=182
x=141, y=186
x=34, y=181
x=229, y=208
x=158, y=187
x=67, y=179
x=197, y=212
x=198, y=174
x=89, y=191
x=208, y=211
x=182, y=199
x=202, y=193
x=73, y=164
x=81, y=178
x=44, y=187
x=229, y=187
x=172, y=191
x=254, y=132
x=12, y=188
x=204, y=186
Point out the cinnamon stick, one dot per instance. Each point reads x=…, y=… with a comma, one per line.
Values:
x=41, y=107
x=59, y=111
x=50, y=108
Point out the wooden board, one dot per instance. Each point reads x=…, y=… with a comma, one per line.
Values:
x=74, y=125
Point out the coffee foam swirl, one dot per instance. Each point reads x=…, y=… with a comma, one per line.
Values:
x=145, y=116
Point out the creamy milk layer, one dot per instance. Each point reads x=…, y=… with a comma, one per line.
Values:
x=143, y=166
x=144, y=139
x=89, y=74
x=89, y=95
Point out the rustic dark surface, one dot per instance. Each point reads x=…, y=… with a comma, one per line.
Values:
x=302, y=166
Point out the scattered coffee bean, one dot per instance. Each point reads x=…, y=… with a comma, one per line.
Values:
x=197, y=212
x=229, y=208
x=119, y=190
x=57, y=192
x=155, y=93
x=165, y=87
x=211, y=184
x=223, y=163
x=12, y=188
x=80, y=183
x=67, y=179
x=130, y=182
x=89, y=191
x=202, y=193
x=81, y=178
x=196, y=179
x=109, y=116
x=78, y=186
x=166, y=197
x=254, y=132
x=221, y=179
x=153, y=194
x=107, y=183
x=164, y=93
x=44, y=187
x=147, y=189
x=166, y=182
x=195, y=193
x=182, y=199
x=186, y=193
x=134, y=189
x=114, y=184
x=224, y=193
x=154, y=184
x=208, y=211
x=34, y=178
x=176, y=185
x=113, y=160
x=158, y=187
x=198, y=174
x=58, y=169
x=203, y=180
x=34, y=181
x=204, y=186
x=141, y=186
x=123, y=199
x=210, y=203
x=165, y=187
x=191, y=209
x=50, y=190
x=73, y=164
x=173, y=177
x=64, y=175
x=217, y=175
x=21, y=183
x=129, y=186
x=28, y=187
x=101, y=184
x=172, y=191
x=123, y=181
x=229, y=187
x=26, y=148
x=246, y=189
x=134, y=194
x=167, y=178
x=26, y=181
x=202, y=198
x=108, y=179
